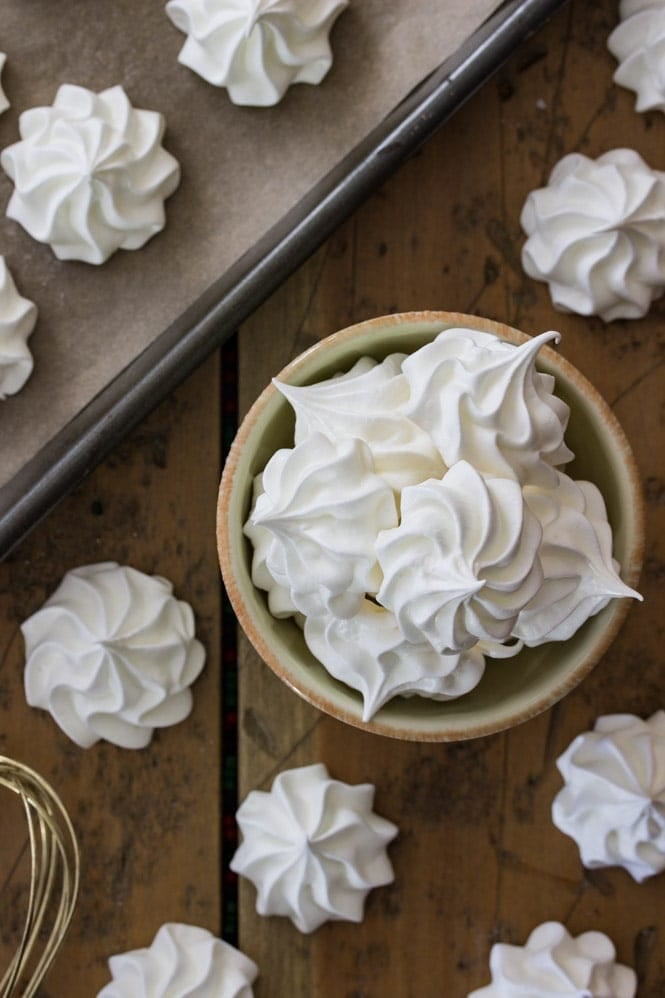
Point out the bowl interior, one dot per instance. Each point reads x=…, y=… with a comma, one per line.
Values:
x=511, y=690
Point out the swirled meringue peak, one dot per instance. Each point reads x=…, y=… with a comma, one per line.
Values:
x=256, y=48
x=483, y=401
x=183, y=961
x=580, y=574
x=367, y=402
x=554, y=963
x=18, y=316
x=4, y=103
x=370, y=654
x=596, y=235
x=638, y=44
x=613, y=800
x=112, y=654
x=90, y=174
x=313, y=847
x=323, y=503
x=463, y=561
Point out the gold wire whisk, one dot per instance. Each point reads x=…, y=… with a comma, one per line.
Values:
x=54, y=878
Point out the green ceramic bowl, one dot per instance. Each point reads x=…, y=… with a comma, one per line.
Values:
x=511, y=691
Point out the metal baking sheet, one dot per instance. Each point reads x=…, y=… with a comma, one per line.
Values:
x=93, y=432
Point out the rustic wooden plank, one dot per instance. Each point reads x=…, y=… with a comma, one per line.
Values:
x=477, y=858
x=148, y=821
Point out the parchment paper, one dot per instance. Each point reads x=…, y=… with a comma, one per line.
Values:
x=242, y=170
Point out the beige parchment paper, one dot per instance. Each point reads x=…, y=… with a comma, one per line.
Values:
x=242, y=170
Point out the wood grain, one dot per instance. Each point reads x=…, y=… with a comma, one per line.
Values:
x=477, y=858
x=148, y=821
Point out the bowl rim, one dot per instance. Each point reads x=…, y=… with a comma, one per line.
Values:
x=230, y=558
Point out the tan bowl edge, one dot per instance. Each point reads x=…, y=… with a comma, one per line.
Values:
x=631, y=563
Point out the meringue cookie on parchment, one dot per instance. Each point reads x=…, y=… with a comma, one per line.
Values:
x=18, y=316
x=183, y=961
x=596, y=235
x=256, y=48
x=554, y=964
x=313, y=847
x=638, y=44
x=112, y=654
x=4, y=103
x=90, y=174
x=613, y=800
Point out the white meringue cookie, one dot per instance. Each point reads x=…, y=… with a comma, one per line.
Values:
x=313, y=847
x=323, y=504
x=183, y=961
x=554, y=963
x=4, y=103
x=580, y=574
x=112, y=654
x=596, y=235
x=370, y=654
x=613, y=800
x=280, y=603
x=482, y=401
x=638, y=44
x=18, y=316
x=90, y=174
x=367, y=402
x=462, y=562
x=256, y=48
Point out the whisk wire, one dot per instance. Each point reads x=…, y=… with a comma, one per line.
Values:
x=54, y=877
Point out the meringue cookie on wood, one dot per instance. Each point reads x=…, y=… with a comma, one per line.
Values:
x=90, y=174
x=554, y=963
x=18, y=316
x=638, y=44
x=313, y=847
x=112, y=654
x=613, y=800
x=256, y=48
x=183, y=961
x=596, y=235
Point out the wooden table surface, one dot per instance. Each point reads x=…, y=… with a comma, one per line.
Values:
x=477, y=858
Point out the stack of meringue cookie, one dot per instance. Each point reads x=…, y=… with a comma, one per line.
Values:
x=423, y=521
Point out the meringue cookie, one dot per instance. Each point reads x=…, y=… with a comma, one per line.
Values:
x=313, y=847
x=552, y=962
x=18, y=316
x=638, y=44
x=90, y=174
x=4, y=103
x=580, y=574
x=596, y=235
x=183, y=961
x=463, y=561
x=613, y=800
x=482, y=401
x=366, y=402
x=323, y=503
x=370, y=654
x=280, y=603
x=256, y=48
x=112, y=654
